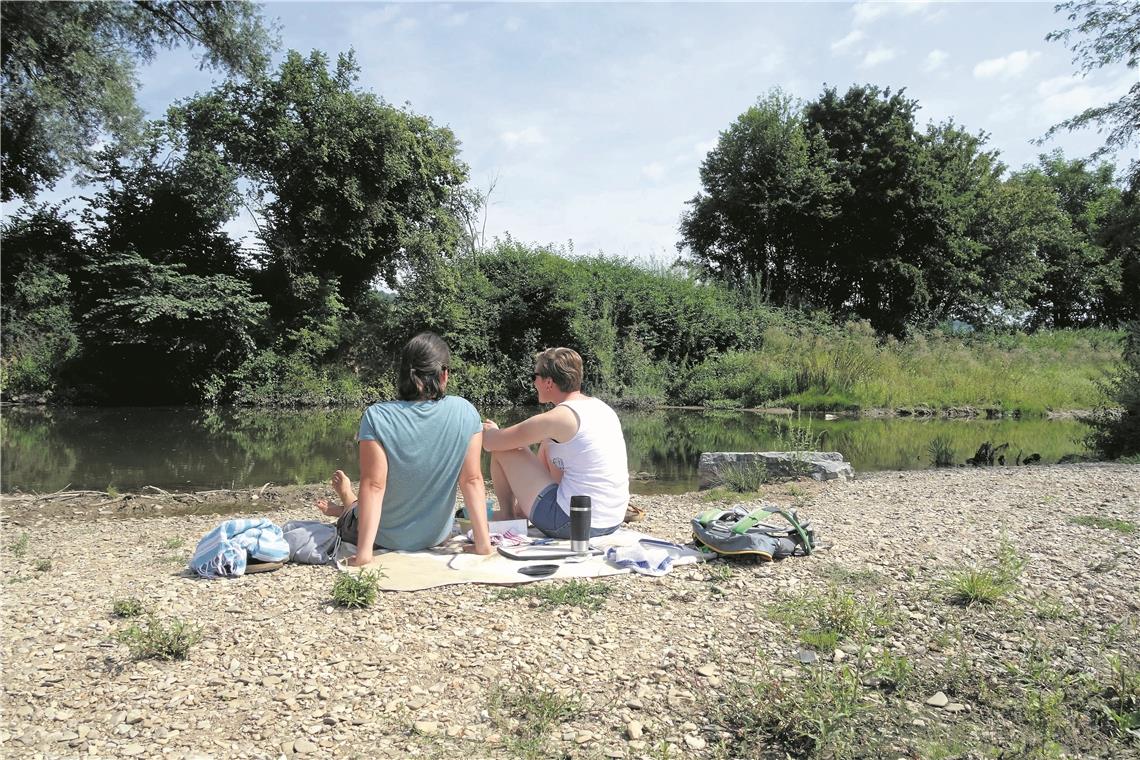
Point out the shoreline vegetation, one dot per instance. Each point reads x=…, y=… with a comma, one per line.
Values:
x=941, y=623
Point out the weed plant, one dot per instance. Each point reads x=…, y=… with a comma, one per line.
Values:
x=1105, y=523
x=19, y=547
x=129, y=607
x=987, y=586
x=356, y=590
x=43, y=565
x=941, y=452
x=825, y=620
x=174, y=543
x=573, y=593
x=743, y=477
x=158, y=640
x=1120, y=711
x=528, y=714
x=815, y=717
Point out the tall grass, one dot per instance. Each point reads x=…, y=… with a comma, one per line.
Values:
x=851, y=368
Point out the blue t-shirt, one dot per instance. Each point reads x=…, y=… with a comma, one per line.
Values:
x=425, y=442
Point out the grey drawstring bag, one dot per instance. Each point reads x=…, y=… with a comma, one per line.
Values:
x=769, y=532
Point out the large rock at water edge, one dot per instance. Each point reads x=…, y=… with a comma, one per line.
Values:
x=818, y=465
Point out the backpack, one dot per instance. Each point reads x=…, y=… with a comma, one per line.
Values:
x=768, y=533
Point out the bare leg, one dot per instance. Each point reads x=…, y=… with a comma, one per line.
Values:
x=521, y=476
x=503, y=492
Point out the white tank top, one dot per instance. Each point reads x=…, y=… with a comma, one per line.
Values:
x=594, y=463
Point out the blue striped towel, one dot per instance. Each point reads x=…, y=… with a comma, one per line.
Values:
x=226, y=549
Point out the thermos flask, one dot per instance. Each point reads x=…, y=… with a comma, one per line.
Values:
x=580, y=524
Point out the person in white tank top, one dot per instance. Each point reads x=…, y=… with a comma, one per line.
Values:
x=581, y=453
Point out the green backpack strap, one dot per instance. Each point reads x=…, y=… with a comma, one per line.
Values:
x=754, y=518
x=706, y=517
x=791, y=517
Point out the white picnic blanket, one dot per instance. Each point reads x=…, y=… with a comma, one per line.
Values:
x=448, y=564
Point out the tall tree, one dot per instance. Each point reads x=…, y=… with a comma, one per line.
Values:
x=878, y=240
x=763, y=197
x=347, y=188
x=1103, y=33
x=1078, y=273
x=68, y=73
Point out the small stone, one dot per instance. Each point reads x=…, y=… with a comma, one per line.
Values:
x=918, y=722
x=133, y=749
x=695, y=742
x=633, y=730
x=806, y=656
x=426, y=727
x=938, y=699
x=615, y=752
x=707, y=669
x=955, y=707
x=303, y=746
x=838, y=655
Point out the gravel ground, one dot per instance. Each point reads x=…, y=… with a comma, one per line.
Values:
x=679, y=666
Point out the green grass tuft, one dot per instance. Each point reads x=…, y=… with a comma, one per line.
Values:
x=158, y=640
x=43, y=565
x=127, y=608
x=987, y=585
x=743, y=477
x=174, y=543
x=574, y=593
x=356, y=591
x=19, y=547
x=1105, y=523
x=941, y=452
x=528, y=714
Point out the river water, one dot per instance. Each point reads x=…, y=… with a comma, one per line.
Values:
x=183, y=448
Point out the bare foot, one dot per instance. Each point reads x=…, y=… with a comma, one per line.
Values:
x=343, y=487
x=328, y=509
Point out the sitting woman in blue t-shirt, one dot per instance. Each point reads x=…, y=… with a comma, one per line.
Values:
x=414, y=453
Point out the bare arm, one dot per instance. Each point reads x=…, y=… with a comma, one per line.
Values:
x=560, y=424
x=474, y=495
x=373, y=481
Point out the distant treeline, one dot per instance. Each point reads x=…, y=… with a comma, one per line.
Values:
x=838, y=255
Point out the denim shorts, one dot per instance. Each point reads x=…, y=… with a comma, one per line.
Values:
x=549, y=518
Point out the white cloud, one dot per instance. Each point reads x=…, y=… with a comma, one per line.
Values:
x=457, y=19
x=935, y=59
x=1062, y=97
x=877, y=56
x=406, y=24
x=855, y=35
x=871, y=10
x=512, y=24
x=654, y=171
x=525, y=136
x=1006, y=67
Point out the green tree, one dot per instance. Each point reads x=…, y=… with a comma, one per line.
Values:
x=41, y=245
x=875, y=249
x=347, y=188
x=763, y=198
x=1079, y=273
x=1104, y=33
x=975, y=273
x=68, y=73
x=163, y=297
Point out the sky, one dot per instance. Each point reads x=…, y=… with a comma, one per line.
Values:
x=592, y=119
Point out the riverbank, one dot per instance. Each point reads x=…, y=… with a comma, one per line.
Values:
x=704, y=662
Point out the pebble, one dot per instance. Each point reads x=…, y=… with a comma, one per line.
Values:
x=303, y=746
x=695, y=742
x=633, y=730
x=937, y=699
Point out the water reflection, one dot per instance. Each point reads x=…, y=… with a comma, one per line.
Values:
x=186, y=448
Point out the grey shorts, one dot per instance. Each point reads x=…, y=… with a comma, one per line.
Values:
x=549, y=518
